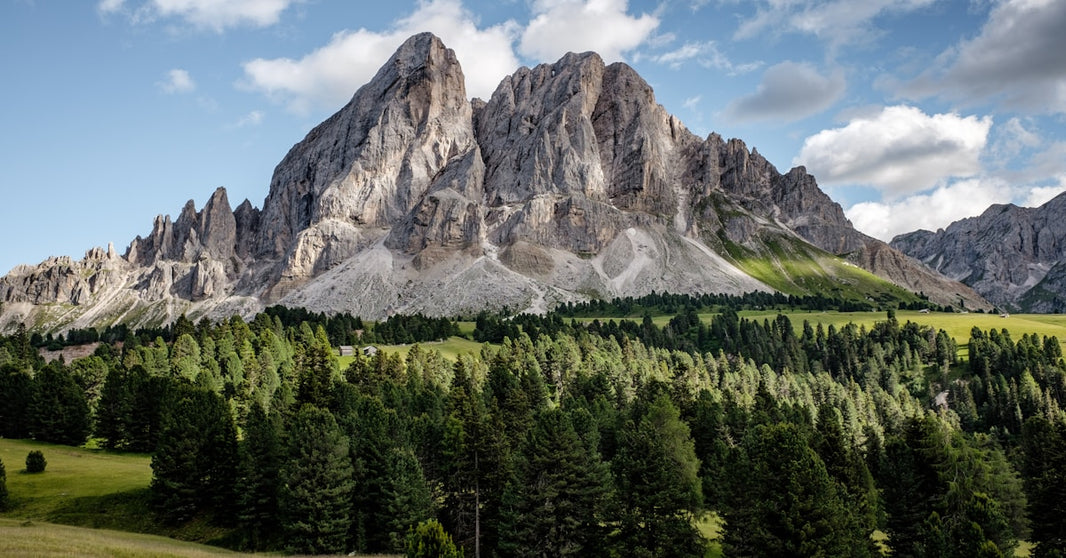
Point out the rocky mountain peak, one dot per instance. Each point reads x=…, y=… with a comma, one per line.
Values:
x=570, y=181
x=1011, y=255
x=365, y=168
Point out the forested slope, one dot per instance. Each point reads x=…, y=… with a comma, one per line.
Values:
x=607, y=438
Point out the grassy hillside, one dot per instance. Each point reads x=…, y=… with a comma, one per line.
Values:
x=32, y=538
x=88, y=488
x=794, y=267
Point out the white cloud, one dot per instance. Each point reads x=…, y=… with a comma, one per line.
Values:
x=1041, y=195
x=177, y=81
x=253, y=118
x=839, y=22
x=603, y=26
x=692, y=102
x=900, y=151
x=209, y=14
x=328, y=76
x=930, y=211
x=705, y=54
x=789, y=91
x=109, y=6
x=1017, y=60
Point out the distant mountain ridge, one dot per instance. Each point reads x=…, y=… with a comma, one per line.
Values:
x=1013, y=256
x=570, y=182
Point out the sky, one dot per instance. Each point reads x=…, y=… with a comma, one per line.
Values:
x=910, y=113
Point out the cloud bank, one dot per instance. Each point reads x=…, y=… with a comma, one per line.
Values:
x=216, y=15
x=899, y=151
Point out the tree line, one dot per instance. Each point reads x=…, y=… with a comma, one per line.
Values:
x=607, y=438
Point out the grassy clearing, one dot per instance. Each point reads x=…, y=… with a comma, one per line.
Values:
x=32, y=538
x=89, y=488
x=450, y=349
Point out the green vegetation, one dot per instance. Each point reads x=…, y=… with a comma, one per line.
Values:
x=34, y=538
x=797, y=268
x=555, y=436
x=35, y=462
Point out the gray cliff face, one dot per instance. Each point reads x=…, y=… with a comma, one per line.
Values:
x=569, y=182
x=1012, y=255
x=369, y=164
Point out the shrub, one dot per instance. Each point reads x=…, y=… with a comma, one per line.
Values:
x=430, y=540
x=35, y=462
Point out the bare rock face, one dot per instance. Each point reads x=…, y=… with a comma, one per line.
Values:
x=569, y=182
x=369, y=164
x=1011, y=255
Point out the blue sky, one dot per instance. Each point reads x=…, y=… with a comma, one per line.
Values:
x=910, y=113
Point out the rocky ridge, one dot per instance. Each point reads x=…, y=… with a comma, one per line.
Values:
x=1013, y=256
x=569, y=182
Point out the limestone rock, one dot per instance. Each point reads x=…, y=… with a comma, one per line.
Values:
x=1007, y=254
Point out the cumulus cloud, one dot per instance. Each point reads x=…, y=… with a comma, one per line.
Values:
x=930, y=211
x=177, y=81
x=838, y=21
x=210, y=14
x=705, y=54
x=789, y=91
x=604, y=26
x=328, y=76
x=1017, y=59
x=1040, y=195
x=900, y=151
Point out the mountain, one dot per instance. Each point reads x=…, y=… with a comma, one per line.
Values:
x=1013, y=256
x=570, y=182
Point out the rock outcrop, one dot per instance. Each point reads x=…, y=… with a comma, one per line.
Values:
x=1013, y=256
x=569, y=182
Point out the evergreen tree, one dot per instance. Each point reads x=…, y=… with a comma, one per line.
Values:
x=316, y=484
x=429, y=540
x=658, y=484
x=261, y=454
x=17, y=387
x=408, y=498
x=558, y=497
x=194, y=468
x=783, y=502
x=35, y=462
x=1044, y=470
x=61, y=414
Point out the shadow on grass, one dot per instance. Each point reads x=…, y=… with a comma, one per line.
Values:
x=131, y=511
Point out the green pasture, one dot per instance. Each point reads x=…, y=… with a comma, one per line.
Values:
x=33, y=538
x=89, y=488
x=450, y=349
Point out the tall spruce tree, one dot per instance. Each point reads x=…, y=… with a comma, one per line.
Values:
x=194, y=468
x=316, y=484
x=783, y=502
x=1044, y=470
x=261, y=454
x=658, y=484
x=557, y=502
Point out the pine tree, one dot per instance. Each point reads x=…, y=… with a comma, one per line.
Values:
x=658, y=484
x=558, y=497
x=261, y=453
x=784, y=503
x=1044, y=470
x=61, y=414
x=408, y=498
x=429, y=540
x=195, y=466
x=316, y=484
